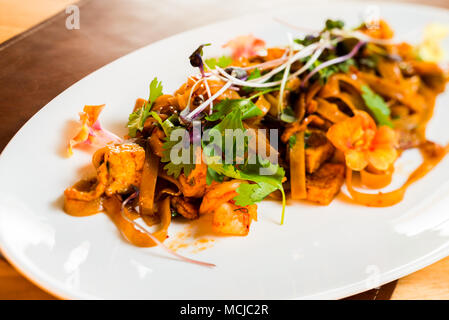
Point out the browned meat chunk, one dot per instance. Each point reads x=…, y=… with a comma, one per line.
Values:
x=408, y=139
x=318, y=150
x=118, y=168
x=232, y=219
x=185, y=207
x=195, y=184
x=124, y=163
x=324, y=184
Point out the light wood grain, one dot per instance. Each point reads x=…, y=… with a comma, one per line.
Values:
x=14, y=286
x=429, y=283
x=17, y=16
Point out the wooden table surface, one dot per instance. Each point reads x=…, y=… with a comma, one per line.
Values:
x=16, y=17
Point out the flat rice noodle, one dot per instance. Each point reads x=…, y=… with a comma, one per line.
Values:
x=113, y=208
x=88, y=189
x=334, y=90
x=151, y=220
x=98, y=157
x=376, y=180
x=393, y=90
x=430, y=97
x=299, y=126
x=398, y=110
x=330, y=111
x=165, y=176
x=347, y=100
x=274, y=102
x=300, y=107
x=431, y=74
x=354, y=94
x=350, y=79
x=148, y=184
x=390, y=70
x=408, y=122
x=80, y=208
x=312, y=92
x=424, y=68
x=330, y=89
x=298, y=168
x=344, y=99
x=333, y=85
x=262, y=140
x=393, y=197
x=156, y=141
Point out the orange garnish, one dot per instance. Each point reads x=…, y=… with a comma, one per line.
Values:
x=91, y=130
x=245, y=46
x=363, y=143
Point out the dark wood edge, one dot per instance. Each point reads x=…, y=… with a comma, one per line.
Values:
x=382, y=293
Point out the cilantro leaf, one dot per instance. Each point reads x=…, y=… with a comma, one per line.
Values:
x=247, y=107
x=253, y=75
x=262, y=92
x=222, y=62
x=288, y=115
x=174, y=169
x=307, y=40
x=377, y=106
x=266, y=176
x=252, y=172
x=167, y=125
x=232, y=120
x=292, y=141
x=334, y=24
x=155, y=90
x=232, y=113
x=213, y=175
x=265, y=183
x=136, y=120
x=324, y=74
x=251, y=193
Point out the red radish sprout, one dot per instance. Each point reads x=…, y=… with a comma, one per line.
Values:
x=334, y=61
x=203, y=106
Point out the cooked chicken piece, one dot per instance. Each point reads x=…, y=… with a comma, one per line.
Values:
x=318, y=150
x=195, y=184
x=185, y=207
x=324, y=184
x=124, y=163
x=232, y=219
x=118, y=168
x=219, y=193
x=228, y=218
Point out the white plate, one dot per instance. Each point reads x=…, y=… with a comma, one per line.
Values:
x=320, y=252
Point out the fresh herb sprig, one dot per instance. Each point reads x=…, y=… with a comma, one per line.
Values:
x=137, y=119
x=221, y=62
